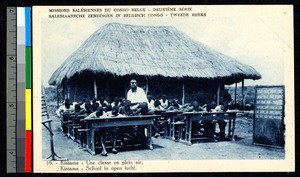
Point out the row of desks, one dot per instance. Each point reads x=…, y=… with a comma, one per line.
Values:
x=175, y=122
x=185, y=120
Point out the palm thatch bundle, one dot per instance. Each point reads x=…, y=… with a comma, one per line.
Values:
x=122, y=49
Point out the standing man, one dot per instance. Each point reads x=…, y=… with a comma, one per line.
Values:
x=138, y=98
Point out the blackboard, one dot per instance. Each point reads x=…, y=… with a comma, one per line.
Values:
x=268, y=121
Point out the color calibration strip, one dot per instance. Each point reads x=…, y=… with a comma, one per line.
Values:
x=23, y=89
x=28, y=117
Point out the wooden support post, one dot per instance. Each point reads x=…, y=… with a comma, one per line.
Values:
x=235, y=93
x=75, y=90
x=147, y=86
x=125, y=89
x=57, y=95
x=107, y=91
x=243, y=94
x=65, y=91
x=183, y=91
x=68, y=91
x=95, y=89
x=218, y=94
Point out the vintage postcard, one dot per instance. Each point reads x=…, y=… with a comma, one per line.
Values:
x=185, y=88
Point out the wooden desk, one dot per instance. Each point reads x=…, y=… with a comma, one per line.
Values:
x=169, y=131
x=66, y=116
x=74, y=125
x=94, y=124
x=200, y=116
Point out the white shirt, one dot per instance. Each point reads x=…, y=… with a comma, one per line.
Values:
x=138, y=96
x=113, y=104
x=109, y=114
x=62, y=108
x=83, y=105
x=151, y=104
x=218, y=109
x=164, y=104
x=103, y=102
x=92, y=115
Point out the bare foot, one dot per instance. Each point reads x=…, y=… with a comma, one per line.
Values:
x=104, y=153
x=114, y=151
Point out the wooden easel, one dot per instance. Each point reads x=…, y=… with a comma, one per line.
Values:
x=53, y=155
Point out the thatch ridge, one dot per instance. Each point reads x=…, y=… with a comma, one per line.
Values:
x=122, y=49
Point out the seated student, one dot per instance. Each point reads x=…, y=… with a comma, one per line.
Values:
x=74, y=103
x=88, y=110
x=117, y=102
x=150, y=100
x=97, y=114
x=113, y=112
x=203, y=108
x=208, y=127
x=61, y=111
x=140, y=130
x=174, y=105
x=102, y=101
x=88, y=107
x=82, y=103
x=142, y=109
x=156, y=127
x=107, y=107
x=67, y=107
x=94, y=107
x=79, y=113
x=126, y=110
x=164, y=102
x=222, y=124
x=122, y=101
x=112, y=131
x=94, y=100
x=193, y=106
x=125, y=131
x=155, y=106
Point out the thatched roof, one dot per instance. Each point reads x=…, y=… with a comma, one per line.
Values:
x=121, y=49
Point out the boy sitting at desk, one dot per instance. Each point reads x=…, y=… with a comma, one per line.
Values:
x=80, y=113
x=116, y=102
x=164, y=102
x=155, y=105
x=102, y=132
x=88, y=107
x=207, y=127
x=174, y=105
x=127, y=132
x=222, y=124
x=62, y=112
x=125, y=109
x=112, y=131
x=66, y=107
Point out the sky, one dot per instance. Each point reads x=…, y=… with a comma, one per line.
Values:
x=261, y=37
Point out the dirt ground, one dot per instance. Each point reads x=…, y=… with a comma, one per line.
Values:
x=165, y=149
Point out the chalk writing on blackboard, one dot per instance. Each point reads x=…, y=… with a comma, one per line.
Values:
x=269, y=102
x=269, y=113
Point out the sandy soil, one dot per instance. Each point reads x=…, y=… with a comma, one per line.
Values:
x=165, y=149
